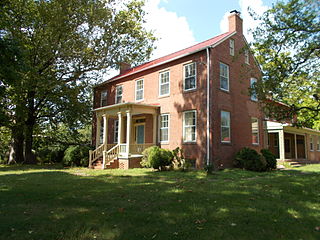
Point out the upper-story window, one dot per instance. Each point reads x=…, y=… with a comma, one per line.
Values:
x=103, y=98
x=255, y=130
x=119, y=94
x=164, y=83
x=225, y=127
x=190, y=79
x=253, y=83
x=246, y=56
x=231, y=47
x=189, y=126
x=139, y=90
x=224, y=76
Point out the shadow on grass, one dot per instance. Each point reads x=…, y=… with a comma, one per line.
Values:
x=231, y=204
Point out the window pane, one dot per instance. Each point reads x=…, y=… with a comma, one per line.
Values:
x=189, y=126
x=255, y=130
x=225, y=136
x=164, y=134
x=225, y=126
x=224, y=76
x=190, y=76
x=139, y=89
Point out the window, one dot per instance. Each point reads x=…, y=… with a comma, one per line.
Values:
x=318, y=144
x=225, y=127
x=164, y=84
x=311, y=143
x=255, y=130
x=189, y=126
x=253, y=84
x=246, y=56
x=103, y=98
x=139, y=90
x=189, y=77
x=164, y=128
x=119, y=94
x=115, y=131
x=224, y=77
x=231, y=47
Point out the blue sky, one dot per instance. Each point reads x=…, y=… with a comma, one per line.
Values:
x=204, y=16
x=181, y=23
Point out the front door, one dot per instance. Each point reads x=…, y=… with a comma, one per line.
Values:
x=287, y=148
x=139, y=130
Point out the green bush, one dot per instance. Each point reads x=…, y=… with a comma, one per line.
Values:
x=270, y=159
x=156, y=158
x=250, y=159
x=76, y=156
x=179, y=161
x=209, y=169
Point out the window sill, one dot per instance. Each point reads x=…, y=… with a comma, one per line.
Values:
x=164, y=96
x=226, y=143
x=225, y=91
x=164, y=143
x=255, y=144
x=141, y=100
x=190, y=143
x=190, y=90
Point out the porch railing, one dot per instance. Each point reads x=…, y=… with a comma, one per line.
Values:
x=139, y=148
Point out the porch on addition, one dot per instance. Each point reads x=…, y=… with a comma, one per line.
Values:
x=123, y=131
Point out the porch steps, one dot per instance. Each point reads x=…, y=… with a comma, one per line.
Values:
x=110, y=165
x=295, y=164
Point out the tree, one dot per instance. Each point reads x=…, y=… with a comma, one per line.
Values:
x=287, y=45
x=51, y=53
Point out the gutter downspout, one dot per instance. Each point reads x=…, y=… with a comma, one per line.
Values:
x=208, y=106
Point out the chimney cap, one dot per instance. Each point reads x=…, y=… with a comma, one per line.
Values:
x=236, y=12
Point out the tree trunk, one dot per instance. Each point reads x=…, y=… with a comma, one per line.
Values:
x=18, y=140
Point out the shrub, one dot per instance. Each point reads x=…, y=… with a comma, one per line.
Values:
x=209, y=169
x=156, y=158
x=270, y=159
x=250, y=159
x=179, y=161
x=76, y=156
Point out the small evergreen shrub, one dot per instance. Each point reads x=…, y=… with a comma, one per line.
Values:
x=251, y=160
x=179, y=161
x=76, y=156
x=270, y=159
x=157, y=158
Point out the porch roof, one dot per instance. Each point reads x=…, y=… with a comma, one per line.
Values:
x=135, y=108
x=289, y=128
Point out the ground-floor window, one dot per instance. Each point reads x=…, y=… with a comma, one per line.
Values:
x=115, y=131
x=255, y=130
x=189, y=126
x=225, y=127
x=164, y=128
x=311, y=143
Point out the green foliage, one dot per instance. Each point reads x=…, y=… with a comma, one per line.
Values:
x=157, y=158
x=179, y=160
x=251, y=160
x=287, y=45
x=52, y=52
x=209, y=169
x=270, y=159
x=76, y=156
x=4, y=144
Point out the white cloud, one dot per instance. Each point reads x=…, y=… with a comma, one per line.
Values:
x=248, y=22
x=173, y=31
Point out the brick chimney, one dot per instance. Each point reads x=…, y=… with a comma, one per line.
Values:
x=235, y=22
x=124, y=67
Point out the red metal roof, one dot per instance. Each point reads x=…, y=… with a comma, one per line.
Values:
x=173, y=56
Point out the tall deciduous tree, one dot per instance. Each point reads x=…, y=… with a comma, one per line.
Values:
x=51, y=50
x=287, y=45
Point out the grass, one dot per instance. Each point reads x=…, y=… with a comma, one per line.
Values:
x=80, y=204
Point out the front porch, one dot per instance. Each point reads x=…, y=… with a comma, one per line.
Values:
x=123, y=131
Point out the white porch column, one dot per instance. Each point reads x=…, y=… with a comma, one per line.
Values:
x=105, y=129
x=155, y=128
x=98, y=126
x=281, y=145
x=128, y=132
x=295, y=147
x=119, y=128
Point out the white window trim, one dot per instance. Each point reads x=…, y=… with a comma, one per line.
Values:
x=167, y=94
x=225, y=126
x=311, y=138
x=164, y=142
x=104, y=91
x=226, y=90
x=117, y=93
x=318, y=144
x=184, y=77
x=135, y=92
x=253, y=80
x=231, y=46
x=246, y=57
x=115, y=134
x=183, y=126
x=256, y=144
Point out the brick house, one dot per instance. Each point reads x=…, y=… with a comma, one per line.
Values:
x=196, y=98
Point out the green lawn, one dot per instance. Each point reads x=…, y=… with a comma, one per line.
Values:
x=51, y=203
